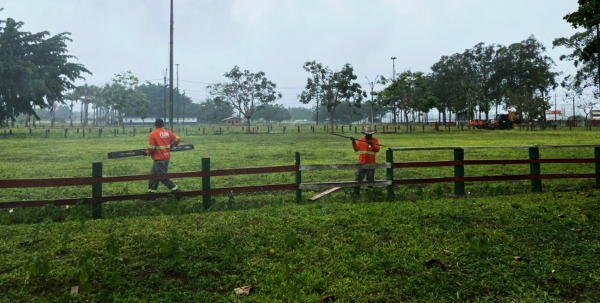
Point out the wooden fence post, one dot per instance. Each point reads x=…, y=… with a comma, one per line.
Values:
x=66, y=130
x=206, y=183
x=423, y=127
x=97, y=190
x=597, y=156
x=298, y=179
x=536, y=184
x=459, y=171
x=134, y=131
x=389, y=158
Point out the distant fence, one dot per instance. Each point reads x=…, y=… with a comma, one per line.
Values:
x=459, y=178
x=218, y=129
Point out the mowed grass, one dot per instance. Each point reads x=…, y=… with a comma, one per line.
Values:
x=524, y=248
x=499, y=243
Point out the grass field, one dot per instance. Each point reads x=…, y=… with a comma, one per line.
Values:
x=499, y=243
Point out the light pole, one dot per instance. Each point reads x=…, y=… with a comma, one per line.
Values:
x=171, y=73
x=177, y=93
x=165, y=99
x=394, y=79
x=318, y=108
x=372, y=84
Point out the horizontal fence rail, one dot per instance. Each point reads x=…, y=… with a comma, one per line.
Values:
x=458, y=163
x=490, y=147
x=30, y=183
x=345, y=166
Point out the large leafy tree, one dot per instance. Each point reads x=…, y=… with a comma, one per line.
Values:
x=588, y=17
x=245, y=91
x=34, y=70
x=411, y=92
x=334, y=88
x=586, y=75
x=527, y=77
x=124, y=94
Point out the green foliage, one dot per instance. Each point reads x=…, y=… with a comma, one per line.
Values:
x=36, y=71
x=155, y=94
x=36, y=266
x=409, y=93
x=334, y=88
x=277, y=113
x=586, y=16
x=301, y=113
x=246, y=92
x=587, y=70
x=170, y=249
x=85, y=269
x=214, y=110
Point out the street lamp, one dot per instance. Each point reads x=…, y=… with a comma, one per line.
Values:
x=177, y=101
x=394, y=79
x=372, y=84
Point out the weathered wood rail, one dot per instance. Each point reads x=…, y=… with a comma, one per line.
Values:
x=459, y=178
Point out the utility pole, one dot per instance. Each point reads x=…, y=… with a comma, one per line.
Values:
x=318, y=108
x=394, y=79
x=165, y=99
x=575, y=120
x=171, y=73
x=183, y=113
x=372, y=84
x=177, y=101
x=555, y=109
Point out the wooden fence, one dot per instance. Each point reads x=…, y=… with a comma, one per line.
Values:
x=97, y=179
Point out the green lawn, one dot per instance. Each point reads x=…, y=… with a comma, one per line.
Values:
x=499, y=243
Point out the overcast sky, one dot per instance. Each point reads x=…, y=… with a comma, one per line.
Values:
x=278, y=36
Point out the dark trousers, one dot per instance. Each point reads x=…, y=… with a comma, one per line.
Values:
x=360, y=176
x=159, y=168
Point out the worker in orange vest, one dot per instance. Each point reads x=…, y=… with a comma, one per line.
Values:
x=436, y=126
x=472, y=124
x=367, y=147
x=160, y=142
x=480, y=124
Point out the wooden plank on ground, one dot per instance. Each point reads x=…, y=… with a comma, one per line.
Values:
x=345, y=166
x=314, y=186
x=327, y=192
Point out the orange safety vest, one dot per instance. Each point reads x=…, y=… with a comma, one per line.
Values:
x=159, y=144
x=480, y=123
x=367, y=155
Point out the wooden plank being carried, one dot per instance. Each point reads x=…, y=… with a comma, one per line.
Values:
x=327, y=192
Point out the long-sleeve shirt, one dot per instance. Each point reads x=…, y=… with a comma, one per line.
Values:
x=367, y=154
x=159, y=144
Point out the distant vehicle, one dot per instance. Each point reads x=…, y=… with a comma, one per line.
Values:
x=503, y=121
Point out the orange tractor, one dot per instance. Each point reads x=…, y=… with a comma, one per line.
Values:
x=503, y=121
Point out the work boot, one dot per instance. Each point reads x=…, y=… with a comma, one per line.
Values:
x=175, y=192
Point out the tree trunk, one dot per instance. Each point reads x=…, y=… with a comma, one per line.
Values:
x=248, y=125
x=331, y=120
x=444, y=116
x=53, y=114
x=81, y=114
x=71, y=114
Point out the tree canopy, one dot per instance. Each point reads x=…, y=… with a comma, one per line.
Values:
x=34, y=70
x=334, y=88
x=245, y=91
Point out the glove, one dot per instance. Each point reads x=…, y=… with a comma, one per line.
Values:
x=353, y=140
x=171, y=147
x=370, y=142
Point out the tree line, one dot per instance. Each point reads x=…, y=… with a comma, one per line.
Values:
x=36, y=74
